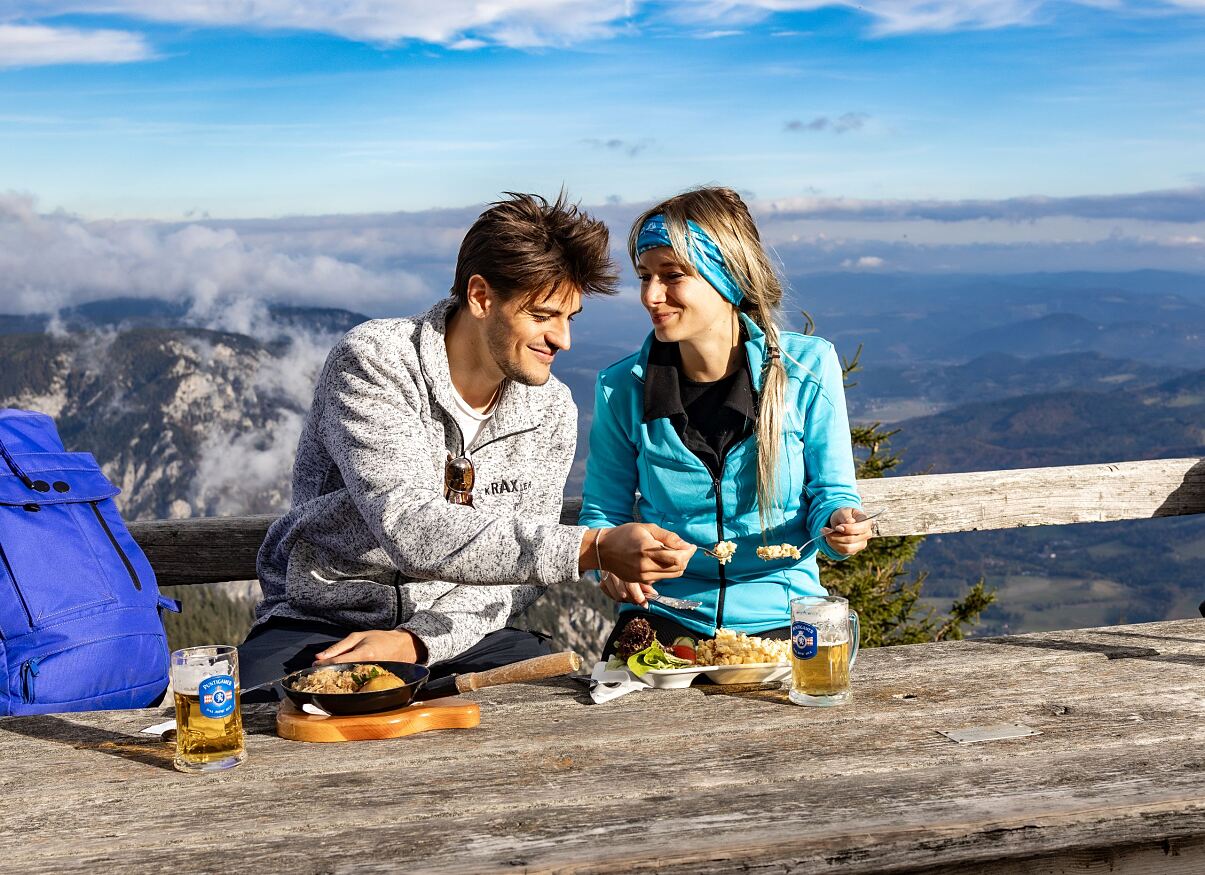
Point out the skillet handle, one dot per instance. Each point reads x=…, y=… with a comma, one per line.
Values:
x=550, y=666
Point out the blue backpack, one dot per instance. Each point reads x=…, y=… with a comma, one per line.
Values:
x=79, y=609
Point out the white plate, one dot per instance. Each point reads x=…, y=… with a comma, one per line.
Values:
x=671, y=678
x=757, y=673
x=677, y=678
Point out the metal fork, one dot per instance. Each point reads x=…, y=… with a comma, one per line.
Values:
x=676, y=604
x=871, y=516
x=864, y=519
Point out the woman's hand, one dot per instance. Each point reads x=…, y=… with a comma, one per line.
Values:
x=848, y=531
x=375, y=645
x=623, y=591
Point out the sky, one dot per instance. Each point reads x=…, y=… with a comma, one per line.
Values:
x=288, y=146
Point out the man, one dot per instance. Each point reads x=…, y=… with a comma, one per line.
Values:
x=429, y=474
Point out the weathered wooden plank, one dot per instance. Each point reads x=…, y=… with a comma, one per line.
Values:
x=1168, y=857
x=203, y=550
x=218, y=549
x=935, y=503
x=673, y=781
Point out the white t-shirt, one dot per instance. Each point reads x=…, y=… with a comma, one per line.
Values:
x=470, y=421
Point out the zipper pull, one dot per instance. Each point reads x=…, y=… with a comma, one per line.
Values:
x=29, y=672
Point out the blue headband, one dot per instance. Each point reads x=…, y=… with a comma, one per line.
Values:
x=705, y=256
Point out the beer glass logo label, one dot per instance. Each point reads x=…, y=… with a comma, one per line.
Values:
x=217, y=696
x=804, y=640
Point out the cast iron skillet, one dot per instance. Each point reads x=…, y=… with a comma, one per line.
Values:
x=360, y=703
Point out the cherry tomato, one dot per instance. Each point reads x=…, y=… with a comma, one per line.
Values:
x=682, y=651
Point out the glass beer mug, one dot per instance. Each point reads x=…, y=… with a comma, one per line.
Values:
x=824, y=645
x=209, y=727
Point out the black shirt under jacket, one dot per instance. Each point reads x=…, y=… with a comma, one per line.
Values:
x=710, y=418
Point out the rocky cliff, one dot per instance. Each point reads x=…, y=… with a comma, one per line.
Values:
x=191, y=421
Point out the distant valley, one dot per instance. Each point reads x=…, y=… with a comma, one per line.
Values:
x=977, y=373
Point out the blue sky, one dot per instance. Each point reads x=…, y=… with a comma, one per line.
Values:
x=160, y=147
x=234, y=117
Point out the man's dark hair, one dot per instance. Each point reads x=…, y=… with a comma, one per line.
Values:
x=522, y=245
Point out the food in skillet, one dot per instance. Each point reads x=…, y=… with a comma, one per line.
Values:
x=361, y=679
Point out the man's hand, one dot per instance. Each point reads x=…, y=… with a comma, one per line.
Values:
x=848, y=531
x=375, y=645
x=639, y=552
x=622, y=591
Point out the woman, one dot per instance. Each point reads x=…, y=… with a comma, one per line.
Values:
x=728, y=429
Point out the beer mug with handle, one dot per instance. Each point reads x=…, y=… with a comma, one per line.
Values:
x=824, y=644
x=209, y=727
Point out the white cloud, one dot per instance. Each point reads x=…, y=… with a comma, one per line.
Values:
x=399, y=263
x=455, y=23
x=50, y=260
x=895, y=17
x=34, y=45
x=850, y=121
x=865, y=262
x=1171, y=205
x=470, y=24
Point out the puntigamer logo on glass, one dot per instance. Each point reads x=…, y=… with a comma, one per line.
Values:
x=824, y=645
x=217, y=696
x=209, y=727
x=803, y=640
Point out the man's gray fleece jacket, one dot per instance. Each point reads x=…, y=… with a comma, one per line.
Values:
x=371, y=542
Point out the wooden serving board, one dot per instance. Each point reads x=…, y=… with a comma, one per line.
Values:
x=294, y=724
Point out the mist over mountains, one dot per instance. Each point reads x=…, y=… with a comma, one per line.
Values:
x=194, y=408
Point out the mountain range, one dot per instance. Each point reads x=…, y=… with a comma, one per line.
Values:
x=195, y=415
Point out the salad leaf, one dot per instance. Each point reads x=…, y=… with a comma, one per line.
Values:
x=653, y=657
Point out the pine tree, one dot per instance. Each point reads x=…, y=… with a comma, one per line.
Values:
x=876, y=581
x=209, y=616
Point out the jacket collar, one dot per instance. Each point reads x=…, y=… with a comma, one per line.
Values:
x=512, y=413
x=659, y=364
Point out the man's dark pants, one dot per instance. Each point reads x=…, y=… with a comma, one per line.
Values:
x=280, y=646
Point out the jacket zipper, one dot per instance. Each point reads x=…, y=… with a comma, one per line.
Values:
x=397, y=599
x=29, y=674
x=719, y=529
x=16, y=586
x=499, y=438
x=120, y=552
x=464, y=451
x=716, y=481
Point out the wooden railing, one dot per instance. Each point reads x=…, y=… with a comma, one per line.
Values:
x=216, y=549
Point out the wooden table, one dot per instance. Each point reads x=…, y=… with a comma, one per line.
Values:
x=681, y=781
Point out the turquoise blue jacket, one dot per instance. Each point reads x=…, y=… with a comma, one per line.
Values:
x=677, y=491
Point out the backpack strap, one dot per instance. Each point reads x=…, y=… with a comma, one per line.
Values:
x=12, y=463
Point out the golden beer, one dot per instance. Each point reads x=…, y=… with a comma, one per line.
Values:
x=206, y=741
x=825, y=674
x=824, y=645
x=209, y=726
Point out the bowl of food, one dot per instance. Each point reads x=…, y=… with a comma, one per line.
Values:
x=356, y=688
x=733, y=657
x=747, y=673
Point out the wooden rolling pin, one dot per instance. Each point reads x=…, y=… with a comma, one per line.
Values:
x=553, y=665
